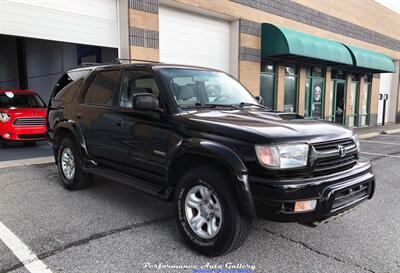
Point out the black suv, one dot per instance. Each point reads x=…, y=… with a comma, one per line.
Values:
x=198, y=138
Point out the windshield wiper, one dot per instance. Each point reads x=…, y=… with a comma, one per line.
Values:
x=213, y=105
x=254, y=104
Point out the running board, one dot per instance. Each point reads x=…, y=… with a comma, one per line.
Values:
x=144, y=186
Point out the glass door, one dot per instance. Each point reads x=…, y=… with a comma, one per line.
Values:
x=354, y=96
x=338, y=101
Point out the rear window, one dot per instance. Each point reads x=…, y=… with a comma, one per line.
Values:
x=68, y=85
x=21, y=101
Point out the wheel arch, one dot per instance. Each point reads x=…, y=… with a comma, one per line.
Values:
x=194, y=152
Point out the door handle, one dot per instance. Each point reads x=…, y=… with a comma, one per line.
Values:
x=119, y=122
x=78, y=115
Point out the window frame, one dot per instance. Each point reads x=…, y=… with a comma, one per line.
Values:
x=307, y=106
x=274, y=74
x=297, y=77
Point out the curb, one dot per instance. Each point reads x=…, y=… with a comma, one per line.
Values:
x=369, y=135
x=26, y=162
x=390, y=132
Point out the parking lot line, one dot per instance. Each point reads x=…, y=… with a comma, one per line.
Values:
x=385, y=155
x=31, y=262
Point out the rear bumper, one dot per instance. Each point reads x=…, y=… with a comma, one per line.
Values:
x=22, y=133
x=274, y=199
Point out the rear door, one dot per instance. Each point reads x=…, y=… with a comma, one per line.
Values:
x=94, y=112
x=139, y=139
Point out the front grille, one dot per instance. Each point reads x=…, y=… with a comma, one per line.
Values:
x=349, y=195
x=29, y=121
x=32, y=136
x=328, y=159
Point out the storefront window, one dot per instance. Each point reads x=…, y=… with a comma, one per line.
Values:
x=267, y=83
x=291, y=75
x=314, y=95
x=353, y=104
x=366, y=95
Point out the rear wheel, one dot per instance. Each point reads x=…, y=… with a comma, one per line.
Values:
x=70, y=166
x=207, y=214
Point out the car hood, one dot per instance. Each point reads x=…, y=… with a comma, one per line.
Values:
x=24, y=112
x=260, y=126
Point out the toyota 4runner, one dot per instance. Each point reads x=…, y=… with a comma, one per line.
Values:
x=198, y=138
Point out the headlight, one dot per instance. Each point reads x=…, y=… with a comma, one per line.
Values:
x=357, y=142
x=4, y=117
x=282, y=156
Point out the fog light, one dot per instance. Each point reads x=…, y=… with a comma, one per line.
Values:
x=302, y=206
x=6, y=136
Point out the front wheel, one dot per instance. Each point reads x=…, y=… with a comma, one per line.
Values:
x=208, y=215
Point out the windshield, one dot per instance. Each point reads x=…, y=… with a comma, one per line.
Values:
x=21, y=101
x=192, y=87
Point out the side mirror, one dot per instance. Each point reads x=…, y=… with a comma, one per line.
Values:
x=145, y=102
x=259, y=99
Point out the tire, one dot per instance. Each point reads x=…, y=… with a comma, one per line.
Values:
x=229, y=231
x=74, y=177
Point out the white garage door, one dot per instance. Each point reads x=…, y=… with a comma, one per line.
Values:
x=189, y=38
x=92, y=22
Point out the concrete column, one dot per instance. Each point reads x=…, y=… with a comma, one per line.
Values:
x=373, y=119
x=301, y=90
x=144, y=30
x=280, y=87
x=348, y=96
x=327, y=93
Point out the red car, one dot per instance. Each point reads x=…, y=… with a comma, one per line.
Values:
x=22, y=117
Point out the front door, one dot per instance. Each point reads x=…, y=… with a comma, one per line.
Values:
x=339, y=101
x=139, y=142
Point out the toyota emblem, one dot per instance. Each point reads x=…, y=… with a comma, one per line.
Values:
x=342, y=150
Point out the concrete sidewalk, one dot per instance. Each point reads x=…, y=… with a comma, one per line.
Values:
x=391, y=128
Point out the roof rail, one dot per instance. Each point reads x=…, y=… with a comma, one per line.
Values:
x=94, y=64
x=118, y=60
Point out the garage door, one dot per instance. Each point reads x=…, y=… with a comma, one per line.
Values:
x=92, y=22
x=189, y=38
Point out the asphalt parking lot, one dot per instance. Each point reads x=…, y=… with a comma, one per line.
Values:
x=107, y=228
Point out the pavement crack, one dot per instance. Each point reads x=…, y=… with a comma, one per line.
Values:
x=307, y=246
x=83, y=241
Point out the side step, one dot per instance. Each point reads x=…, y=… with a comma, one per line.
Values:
x=144, y=186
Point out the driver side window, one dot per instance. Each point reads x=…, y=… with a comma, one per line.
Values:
x=135, y=82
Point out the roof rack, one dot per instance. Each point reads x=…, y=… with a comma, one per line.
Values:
x=118, y=60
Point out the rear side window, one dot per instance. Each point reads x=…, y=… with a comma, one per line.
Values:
x=102, y=89
x=68, y=85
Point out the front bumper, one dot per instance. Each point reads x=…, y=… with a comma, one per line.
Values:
x=22, y=133
x=274, y=199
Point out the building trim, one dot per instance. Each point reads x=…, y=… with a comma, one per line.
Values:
x=250, y=54
x=300, y=13
x=145, y=5
x=144, y=37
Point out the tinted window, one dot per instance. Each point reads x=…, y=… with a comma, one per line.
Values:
x=102, y=88
x=21, y=101
x=68, y=85
x=134, y=82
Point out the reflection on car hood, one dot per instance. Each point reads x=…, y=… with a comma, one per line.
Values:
x=256, y=125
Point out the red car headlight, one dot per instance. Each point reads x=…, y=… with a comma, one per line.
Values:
x=4, y=117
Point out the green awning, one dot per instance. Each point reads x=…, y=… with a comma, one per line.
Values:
x=370, y=60
x=298, y=46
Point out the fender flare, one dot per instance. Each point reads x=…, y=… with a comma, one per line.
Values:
x=76, y=131
x=229, y=159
